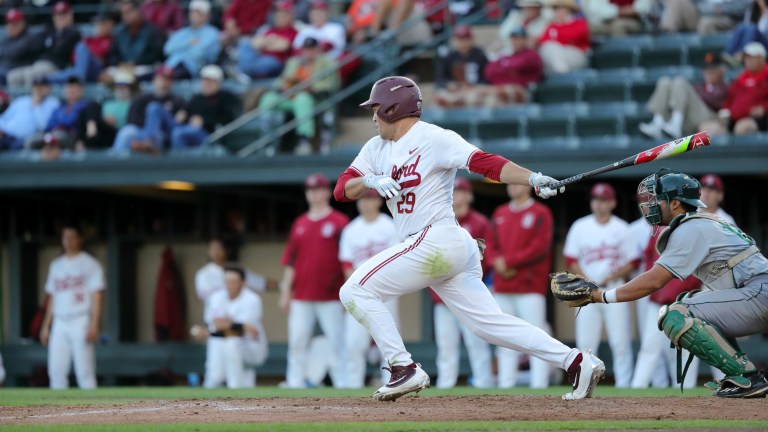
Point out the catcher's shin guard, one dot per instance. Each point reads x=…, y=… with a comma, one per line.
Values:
x=704, y=341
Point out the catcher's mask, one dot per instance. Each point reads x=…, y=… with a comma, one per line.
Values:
x=666, y=185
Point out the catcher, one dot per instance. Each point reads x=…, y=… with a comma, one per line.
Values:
x=733, y=272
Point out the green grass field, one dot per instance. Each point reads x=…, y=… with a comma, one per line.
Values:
x=111, y=396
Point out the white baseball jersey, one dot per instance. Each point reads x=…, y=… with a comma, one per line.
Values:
x=598, y=248
x=210, y=279
x=71, y=282
x=424, y=162
x=246, y=308
x=640, y=232
x=360, y=240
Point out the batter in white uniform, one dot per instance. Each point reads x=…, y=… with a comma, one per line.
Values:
x=413, y=165
x=237, y=342
x=71, y=326
x=364, y=237
x=598, y=246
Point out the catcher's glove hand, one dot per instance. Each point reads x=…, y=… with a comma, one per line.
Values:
x=572, y=289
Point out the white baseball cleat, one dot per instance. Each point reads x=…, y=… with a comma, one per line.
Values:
x=584, y=376
x=404, y=380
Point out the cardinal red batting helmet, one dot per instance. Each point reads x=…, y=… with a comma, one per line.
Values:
x=397, y=97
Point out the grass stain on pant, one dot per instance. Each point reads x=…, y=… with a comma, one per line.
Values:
x=437, y=265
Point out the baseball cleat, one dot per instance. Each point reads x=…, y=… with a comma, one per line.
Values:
x=404, y=380
x=584, y=376
x=758, y=387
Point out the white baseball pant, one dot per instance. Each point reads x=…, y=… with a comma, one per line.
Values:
x=647, y=311
x=356, y=344
x=445, y=257
x=67, y=344
x=532, y=308
x=233, y=361
x=448, y=335
x=589, y=325
x=301, y=325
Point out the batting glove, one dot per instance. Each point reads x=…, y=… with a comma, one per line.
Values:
x=541, y=186
x=384, y=185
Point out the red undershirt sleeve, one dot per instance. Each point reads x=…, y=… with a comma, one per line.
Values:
x=347, y=175
x=487, y=164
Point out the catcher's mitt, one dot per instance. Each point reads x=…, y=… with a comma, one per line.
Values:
x=572, y=289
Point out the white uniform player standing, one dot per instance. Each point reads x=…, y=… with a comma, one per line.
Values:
x=364, y=237
x=71, y=326
x=413, y=164
x=712, y=194
x=208, y=281
x=237, y=342
x=598, y=247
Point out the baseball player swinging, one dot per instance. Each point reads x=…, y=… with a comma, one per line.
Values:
x=734, y=273
x=412, y=164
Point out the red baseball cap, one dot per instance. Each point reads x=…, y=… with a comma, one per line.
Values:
x=712, y=181
x=61, y=7
x=602, y=191
x=319, y=4
x=316, y=180
x=164, y=71
x=14, y=15
x=462, y=31
x=462, y=184
x=284, y=5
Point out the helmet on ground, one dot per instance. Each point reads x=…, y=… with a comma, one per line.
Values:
x=397, y=97
x=666, y=185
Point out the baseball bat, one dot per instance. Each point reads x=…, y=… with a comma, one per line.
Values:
x=663, y=151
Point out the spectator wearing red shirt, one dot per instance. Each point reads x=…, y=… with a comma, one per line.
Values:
x=309, y=289
x=564, y=43
x=166, y=15
x=511, y=75
x=744, y=110
x=243, y=17
x=448, y=330
x=265, y=54
x=520, y=249
x=90, y=53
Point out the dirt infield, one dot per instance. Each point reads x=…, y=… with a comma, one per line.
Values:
x=447, y=408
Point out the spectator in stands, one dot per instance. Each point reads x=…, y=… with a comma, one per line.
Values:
x=19, y=48
x=90, y=53
x=565, y=41
x=63, y=126
x=150, y=117
x=115, y=111
x=679, y=16
x=753, y=29
x=243, y=17
x=461, y=71
x=744, y=109
x=137, y=44
x=189, y=48
x=331, y=35
x=310, y=65
x=717, y=16
x=529, y=15
x=679, y=108
x=57, y=43
x=712, y=194
x=27, y=115
x=512, y=75
x=616, y=17
x=264, y=54
x=166, y=15
x=368, y=18
x=211, y=108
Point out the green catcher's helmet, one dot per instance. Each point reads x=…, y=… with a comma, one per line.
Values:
x=666, y=185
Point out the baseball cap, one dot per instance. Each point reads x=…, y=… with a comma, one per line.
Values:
x=310, y=42
x=319, y=4
x=712, y=59
x=602, y=191
x=518, y=32
x=14, y=15
x=74, y=79
x=41, y=80
x=462, y=184
x=284, y=5
x=164, y=71
x=529, y=3
x=212, y=71
x=755, y=49
x=316, y=180
x=61, y=7
x=200, y=5
x=123, y=77
x=712, y=181
x=462, y=31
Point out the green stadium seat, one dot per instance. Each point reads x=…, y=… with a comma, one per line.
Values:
x=610, y=92
x=610, y=109
x=655, y=57
x=641, y=92
x=555, y=143
x=554, y=93
x=627, y=42
x=631, y=122
x=565, y=110
x=601, y=126
x=499, y=129
x=505, y=146
x=605, y=142
x=581, y=75
x=688, y=72
x=515, y=112
x=603, y=58
x=546, y=127
x=676, y=40
x=620, y=75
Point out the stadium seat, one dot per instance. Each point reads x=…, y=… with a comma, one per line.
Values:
x=598, y=126
x=676, y=40
x=581, y=75
x=655, y=57
x=609, y=92
x=641, y=92
x=515, y=112
x=565, y=110
x=554, y=93
x=547, y=127
x=499, y=129
x=688, y=72
x=620, y=75
x=605, y=142
x=505, y=145
x=615, y=58
x=555, y=143
x=610, y=109
x=627, y=42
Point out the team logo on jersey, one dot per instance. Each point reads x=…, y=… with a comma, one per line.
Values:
x=410, y=177
x=69, y=282
x=527, y=220
x=328, y=230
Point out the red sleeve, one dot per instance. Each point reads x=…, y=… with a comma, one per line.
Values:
x=668, y=294
x=346, y=265
x=487, y=164
x=569, y=261
x=492, y=246
x=484, y=233
x=347, y=175
x=536, y=249
x=289, y=253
